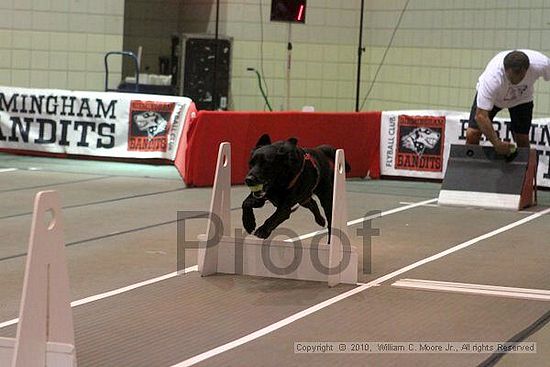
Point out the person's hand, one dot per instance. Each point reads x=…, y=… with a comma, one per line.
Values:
x=504, y=148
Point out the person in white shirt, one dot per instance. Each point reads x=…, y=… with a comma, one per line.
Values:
x=507, y=82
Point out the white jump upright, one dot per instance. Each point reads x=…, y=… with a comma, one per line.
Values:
x=335, y=263
x=45, y=334
x=219, y=208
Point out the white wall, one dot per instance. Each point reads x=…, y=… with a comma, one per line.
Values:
x=59, y=43
x=441, y=47
x=437, y=54
x=150, y=24
x=324, y=54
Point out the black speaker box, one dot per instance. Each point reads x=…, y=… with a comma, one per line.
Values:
x=205, y=71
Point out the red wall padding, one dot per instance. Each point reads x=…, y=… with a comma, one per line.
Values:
x=357, y=133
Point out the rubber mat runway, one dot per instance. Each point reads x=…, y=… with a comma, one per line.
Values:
x=432, y=274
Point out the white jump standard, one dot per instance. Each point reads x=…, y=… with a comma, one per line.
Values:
x=45, y=334
x=333, y=263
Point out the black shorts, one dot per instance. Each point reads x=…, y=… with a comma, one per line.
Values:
x=520, y=117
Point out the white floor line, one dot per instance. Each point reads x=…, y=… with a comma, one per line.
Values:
x=2, y=170
x=408, y=203
x=477, y=289
x=297, y=316
x=116, y=291
x=364, y=219
x=195, y=268
x=437, y=206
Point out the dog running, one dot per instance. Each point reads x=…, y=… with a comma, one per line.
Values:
x=288, y=176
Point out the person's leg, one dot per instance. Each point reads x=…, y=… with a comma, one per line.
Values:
x=473, y=133
x=521, y=117
x=522, y=140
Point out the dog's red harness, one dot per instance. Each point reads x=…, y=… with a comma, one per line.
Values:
x=313, y=161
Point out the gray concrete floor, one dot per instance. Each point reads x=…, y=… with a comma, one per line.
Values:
x=121, y=229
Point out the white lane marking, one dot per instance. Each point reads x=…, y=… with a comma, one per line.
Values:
x=297, y=316
x=408, y=203
x=8, y=323
x=2, y=170
x=477, y=289
x=116, y=291
x=437, y=206
x=364, y=219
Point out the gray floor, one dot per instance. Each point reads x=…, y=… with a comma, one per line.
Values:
x=121, y=228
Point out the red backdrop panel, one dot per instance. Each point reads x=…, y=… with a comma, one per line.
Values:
x=357, y=133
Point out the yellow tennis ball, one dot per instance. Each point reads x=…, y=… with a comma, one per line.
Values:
x=256, y=188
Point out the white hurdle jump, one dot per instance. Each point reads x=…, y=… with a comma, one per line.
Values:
x=45, y=334
x=335, y=263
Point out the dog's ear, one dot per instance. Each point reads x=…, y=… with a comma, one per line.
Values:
x=286, y=148
x=293, y=141
x=264, y=140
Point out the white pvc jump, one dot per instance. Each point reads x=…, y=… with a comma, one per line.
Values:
x=257, y=257
x=45, y=334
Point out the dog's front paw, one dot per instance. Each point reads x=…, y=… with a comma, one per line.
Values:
x=262, y=232
x=320, y=221
x=249, y=223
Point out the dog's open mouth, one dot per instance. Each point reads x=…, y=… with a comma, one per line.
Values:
x=259, y=194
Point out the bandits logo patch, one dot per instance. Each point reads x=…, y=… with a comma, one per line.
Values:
x=420, y=143
x=149, y=125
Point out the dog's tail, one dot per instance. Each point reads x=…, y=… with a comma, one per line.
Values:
x=330, y=152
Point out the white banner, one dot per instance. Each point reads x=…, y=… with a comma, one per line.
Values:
x=416, y=143
x=109, y=124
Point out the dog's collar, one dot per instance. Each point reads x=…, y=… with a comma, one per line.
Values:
x=311, y=159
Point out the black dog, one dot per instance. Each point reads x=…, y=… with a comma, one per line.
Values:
x=288, y=176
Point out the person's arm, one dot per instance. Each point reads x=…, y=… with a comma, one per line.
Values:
x=546, y=70
x=486, y=126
